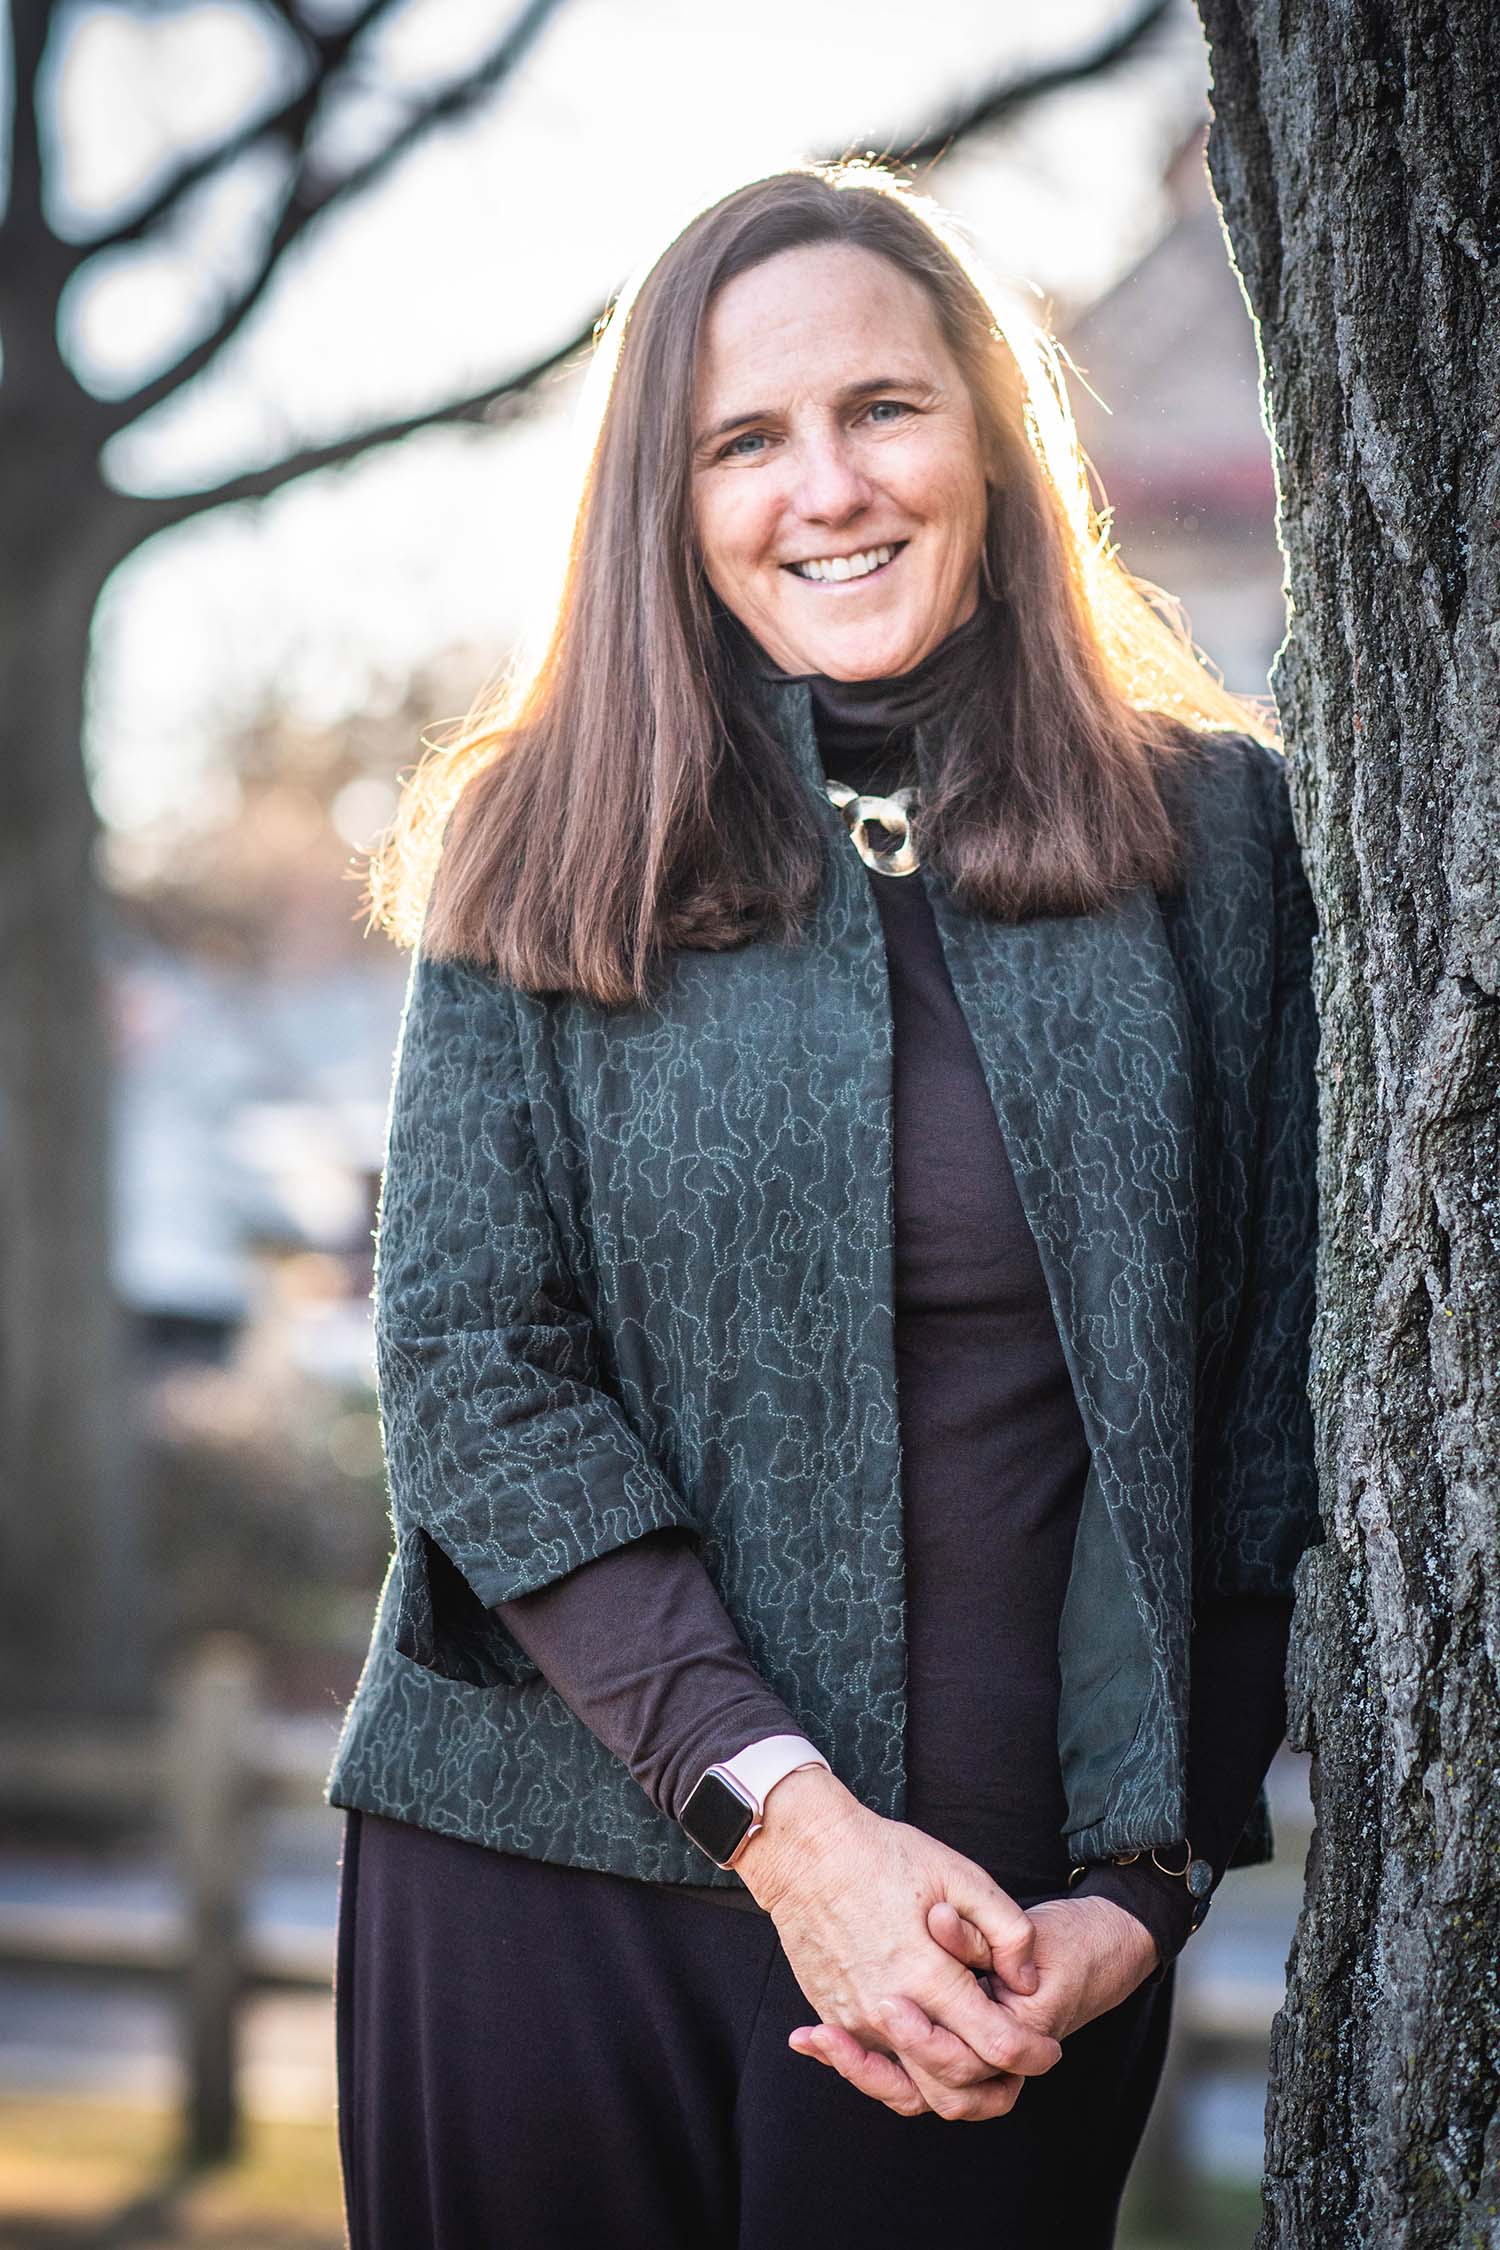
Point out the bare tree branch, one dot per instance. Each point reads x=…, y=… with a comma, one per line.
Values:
x=289, y=123
x=35, y=266
x=496, y=403
x=1022, y=88
x=509, y=395
x=308, y=199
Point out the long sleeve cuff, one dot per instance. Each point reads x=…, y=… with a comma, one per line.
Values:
x=1163, y=1903
x=640, y=1647
x=1237, y=1722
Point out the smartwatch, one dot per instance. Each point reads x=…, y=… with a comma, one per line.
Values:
x=726, y=1805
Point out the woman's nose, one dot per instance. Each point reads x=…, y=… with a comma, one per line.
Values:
x=830, y=486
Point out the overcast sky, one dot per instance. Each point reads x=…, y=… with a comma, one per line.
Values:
x=484, y=248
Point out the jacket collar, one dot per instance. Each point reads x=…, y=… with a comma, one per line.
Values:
x=785, y=704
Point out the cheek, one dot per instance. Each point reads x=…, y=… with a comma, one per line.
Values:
x=733, y=533
x=950, y=489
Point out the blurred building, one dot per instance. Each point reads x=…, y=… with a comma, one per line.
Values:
x=249, y=1121
x=1182, y=453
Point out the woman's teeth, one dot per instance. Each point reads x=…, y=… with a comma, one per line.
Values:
x=838, y=567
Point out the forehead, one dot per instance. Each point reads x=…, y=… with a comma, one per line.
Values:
x=814, y=318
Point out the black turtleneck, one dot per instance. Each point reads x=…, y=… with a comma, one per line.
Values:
x=866, y=724
x=994, y=1459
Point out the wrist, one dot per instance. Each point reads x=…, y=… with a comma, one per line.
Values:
x=1139, y=1952
x=797, y=1819
x=1159, y=1902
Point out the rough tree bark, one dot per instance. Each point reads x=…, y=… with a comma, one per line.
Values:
x=1354, y=154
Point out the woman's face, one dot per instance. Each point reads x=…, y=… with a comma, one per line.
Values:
x=831, y=428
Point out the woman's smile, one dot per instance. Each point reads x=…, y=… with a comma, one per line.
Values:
x=840, y=572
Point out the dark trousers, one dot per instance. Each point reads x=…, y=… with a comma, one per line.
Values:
x=534, y=2057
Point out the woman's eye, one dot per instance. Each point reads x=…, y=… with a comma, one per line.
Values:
x=733, y=450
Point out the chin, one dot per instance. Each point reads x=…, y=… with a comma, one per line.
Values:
x=873, y=660
x=867, y=656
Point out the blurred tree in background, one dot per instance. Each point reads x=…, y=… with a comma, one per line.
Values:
x=73, y=1593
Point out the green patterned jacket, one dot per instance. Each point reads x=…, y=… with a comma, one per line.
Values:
x=634, y=1268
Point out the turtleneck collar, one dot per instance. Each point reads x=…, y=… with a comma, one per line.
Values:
x=855, y=719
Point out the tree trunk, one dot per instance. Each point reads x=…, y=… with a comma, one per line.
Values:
x=72, y=1626
x=1354, y=153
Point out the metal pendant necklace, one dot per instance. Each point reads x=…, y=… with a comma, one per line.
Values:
x=894, y=813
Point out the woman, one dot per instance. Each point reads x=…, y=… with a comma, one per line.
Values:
x=843, y=1294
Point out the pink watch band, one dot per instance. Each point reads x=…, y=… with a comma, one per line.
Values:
x=760, y=1765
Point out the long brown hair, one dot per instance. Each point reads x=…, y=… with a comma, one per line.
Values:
x=616, y=798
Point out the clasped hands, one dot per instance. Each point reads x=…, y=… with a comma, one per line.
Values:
x=935, y=1990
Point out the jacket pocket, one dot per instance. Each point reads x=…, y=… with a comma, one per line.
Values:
x=442, y=1624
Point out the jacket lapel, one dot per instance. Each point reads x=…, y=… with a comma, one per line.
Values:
x=1080, y=1025
x=1082, y=1032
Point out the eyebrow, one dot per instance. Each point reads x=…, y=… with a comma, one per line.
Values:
x=848, y=396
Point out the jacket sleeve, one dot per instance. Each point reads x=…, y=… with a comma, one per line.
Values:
x=509, y=1461
x=1256, y=1509
x=1237, y=1722
x=1256, y=1494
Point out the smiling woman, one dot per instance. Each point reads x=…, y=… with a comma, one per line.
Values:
x=842, y=1313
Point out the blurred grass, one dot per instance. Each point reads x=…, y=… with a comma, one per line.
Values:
x=1225, y=2216
x=78, y=2175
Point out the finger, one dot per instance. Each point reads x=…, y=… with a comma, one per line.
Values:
x=940, y=2055
x=1006, y=1927
x=995, y=2032
x=953, y=2082
x=868, y=2070
x=994, y=2096
x=832, y=2046
x=957, y=1935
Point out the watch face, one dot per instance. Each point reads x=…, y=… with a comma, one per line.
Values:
x=716, y=1817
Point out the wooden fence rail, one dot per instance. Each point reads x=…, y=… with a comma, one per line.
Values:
x=206, y=1771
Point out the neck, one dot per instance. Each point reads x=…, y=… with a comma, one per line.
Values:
x=868, y=722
